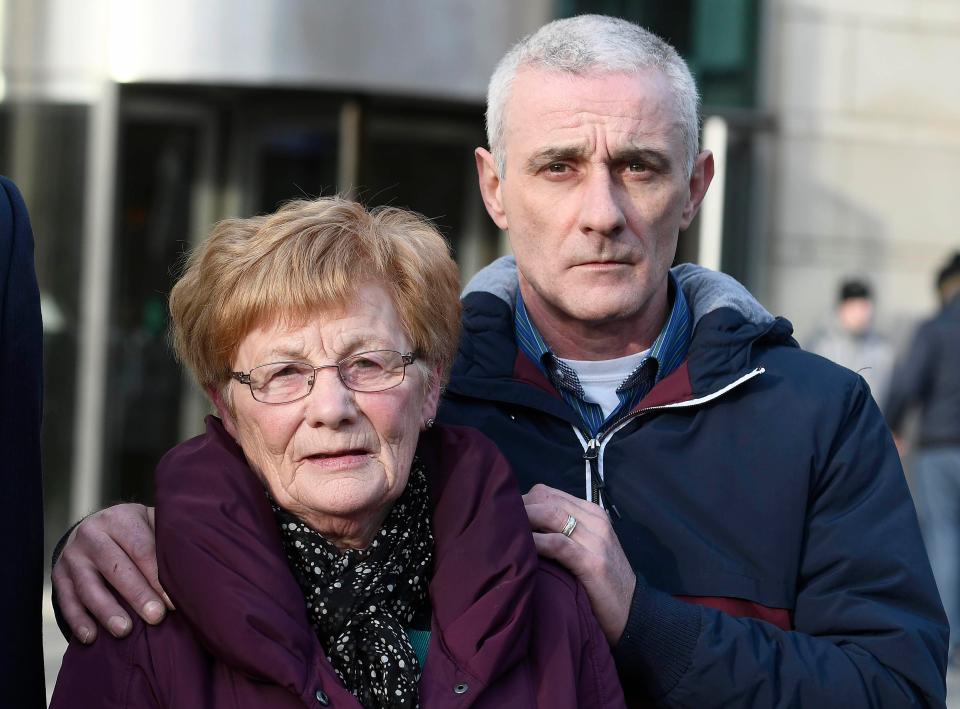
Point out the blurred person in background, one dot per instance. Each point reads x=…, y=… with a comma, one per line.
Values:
x=928, y=378
x=21, y=399
x=323, y=543
x=734, y=506
x=850, y=339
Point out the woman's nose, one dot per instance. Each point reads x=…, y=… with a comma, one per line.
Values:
x=330, y=403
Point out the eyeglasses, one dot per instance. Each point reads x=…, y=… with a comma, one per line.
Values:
x=284, y=382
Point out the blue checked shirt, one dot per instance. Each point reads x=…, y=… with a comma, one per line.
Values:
x=666, y=354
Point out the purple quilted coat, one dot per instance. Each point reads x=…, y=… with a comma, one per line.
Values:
x=507, y=630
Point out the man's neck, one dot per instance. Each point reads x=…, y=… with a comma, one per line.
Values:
x=574, y=339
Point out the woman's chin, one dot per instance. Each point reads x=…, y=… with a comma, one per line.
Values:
x=348, y=513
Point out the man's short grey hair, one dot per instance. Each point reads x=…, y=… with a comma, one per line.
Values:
x=593, y=43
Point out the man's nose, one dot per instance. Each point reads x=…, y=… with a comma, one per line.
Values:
x=330, y=403
x=600, y=210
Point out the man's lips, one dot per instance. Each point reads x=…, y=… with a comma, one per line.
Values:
x=604, y=263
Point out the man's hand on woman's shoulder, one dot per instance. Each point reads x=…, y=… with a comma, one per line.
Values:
x=109, y=553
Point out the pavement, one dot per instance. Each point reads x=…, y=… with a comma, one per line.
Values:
x=54, y=646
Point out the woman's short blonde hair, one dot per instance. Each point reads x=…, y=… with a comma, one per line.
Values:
x=311, y=256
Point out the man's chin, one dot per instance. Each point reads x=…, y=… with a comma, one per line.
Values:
x=595, y=312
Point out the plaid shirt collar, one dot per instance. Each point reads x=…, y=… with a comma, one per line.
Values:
x=666, y=354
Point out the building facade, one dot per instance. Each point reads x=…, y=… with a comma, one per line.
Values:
x=133, y=125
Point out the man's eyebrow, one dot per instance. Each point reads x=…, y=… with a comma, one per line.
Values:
x=657, y=159
x=554, y=154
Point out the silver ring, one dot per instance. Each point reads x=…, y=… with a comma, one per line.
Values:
x=569, y=526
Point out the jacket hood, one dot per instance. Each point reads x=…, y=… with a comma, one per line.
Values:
x=728, y=324
x=705, y=290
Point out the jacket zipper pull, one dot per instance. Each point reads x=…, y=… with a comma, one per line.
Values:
x=597, y=486
x=591, y=454
x=593, y=450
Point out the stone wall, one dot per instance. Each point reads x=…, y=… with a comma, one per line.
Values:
x=865, y=174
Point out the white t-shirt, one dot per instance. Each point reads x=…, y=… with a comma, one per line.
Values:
x=600, y=379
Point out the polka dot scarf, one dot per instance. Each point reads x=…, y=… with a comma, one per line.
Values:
x=360, y=602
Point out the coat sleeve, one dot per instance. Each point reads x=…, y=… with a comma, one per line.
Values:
x=869, y=629
x=111, y=673
x=21, y=528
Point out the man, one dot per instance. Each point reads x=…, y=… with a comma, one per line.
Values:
x=850, y=340
x=21, y=374
x=929, y=378
x=733, y=506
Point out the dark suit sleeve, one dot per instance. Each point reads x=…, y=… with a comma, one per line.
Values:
x=21, y=394
x=911, y=379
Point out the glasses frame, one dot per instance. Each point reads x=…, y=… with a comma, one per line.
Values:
x=407, y=358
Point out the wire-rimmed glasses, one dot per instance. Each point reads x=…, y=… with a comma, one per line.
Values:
x=284, y=382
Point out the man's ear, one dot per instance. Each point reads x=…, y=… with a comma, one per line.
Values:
x=223, y=411
x=489, y=178
x=700, y=179
x=431, y=402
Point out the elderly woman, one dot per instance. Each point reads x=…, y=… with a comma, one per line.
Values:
x=323, y=543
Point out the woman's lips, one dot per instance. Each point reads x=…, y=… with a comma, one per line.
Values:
x=341, y=460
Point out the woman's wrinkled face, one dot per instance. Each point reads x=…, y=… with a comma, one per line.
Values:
x=337, y=458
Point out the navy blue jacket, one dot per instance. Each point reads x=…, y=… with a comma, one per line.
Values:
x=930, y=377
x=762, y=505
x=21, y=393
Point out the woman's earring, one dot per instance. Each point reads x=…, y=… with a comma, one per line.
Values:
x=429, y=424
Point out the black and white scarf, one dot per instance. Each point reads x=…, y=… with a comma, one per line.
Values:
x=361, y=601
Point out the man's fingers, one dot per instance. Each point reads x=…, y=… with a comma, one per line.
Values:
x=135, y=586
x=115, y=545
x=577, y=506
x=545, y=517
x=566, y=552
x=591, y=552
x=96, y=598
x=139, y=545
x=152, y=521
x=604, y=572
x=83, y=627
x=551, y=517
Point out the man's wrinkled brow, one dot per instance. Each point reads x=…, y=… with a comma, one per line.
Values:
x=555, y=154
x=657, y=159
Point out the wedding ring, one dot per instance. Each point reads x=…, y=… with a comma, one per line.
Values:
x=569, y=526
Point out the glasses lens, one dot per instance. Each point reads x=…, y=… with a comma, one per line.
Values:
x=280, y=382
x=373, y=371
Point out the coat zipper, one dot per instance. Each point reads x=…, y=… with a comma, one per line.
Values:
x=593, y=446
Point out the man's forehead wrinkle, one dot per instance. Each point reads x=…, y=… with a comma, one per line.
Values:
x=599, y=145
x=562, y=120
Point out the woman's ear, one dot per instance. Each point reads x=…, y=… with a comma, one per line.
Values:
x=224, y=411
x=432, y=399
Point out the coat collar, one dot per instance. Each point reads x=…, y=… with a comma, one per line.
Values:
x=728, y=325
x=222, y=562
